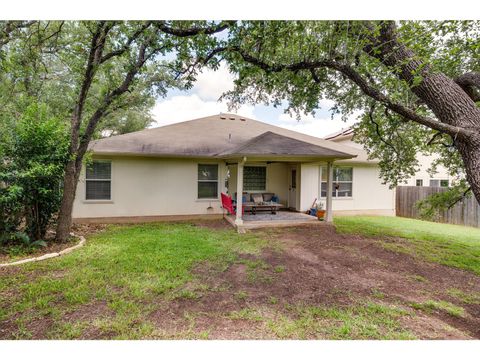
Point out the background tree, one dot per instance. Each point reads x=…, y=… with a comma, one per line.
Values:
x=416, y=84
x=95, y=76
x=120, y=57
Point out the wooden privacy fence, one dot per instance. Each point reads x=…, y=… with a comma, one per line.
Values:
x=466, y=212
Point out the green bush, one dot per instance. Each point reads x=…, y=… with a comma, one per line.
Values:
x=33, y=153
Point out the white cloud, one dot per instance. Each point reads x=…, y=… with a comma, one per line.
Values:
x=210, y=85
x=187, y=107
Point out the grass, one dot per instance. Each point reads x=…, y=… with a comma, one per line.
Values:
x=452, y=245
x=446, y=306
x=111, y=287
x=466, y=298
x=418, y=278
x=245, y=314
x=257, y=271
x=371, y=320
x=124, y=267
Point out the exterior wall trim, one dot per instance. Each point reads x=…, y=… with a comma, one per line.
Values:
x=145, y=219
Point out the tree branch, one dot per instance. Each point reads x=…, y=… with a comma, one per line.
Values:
x=437, y=134
x=96, y=48
x=470, y=83
x=459, y=198
x=162, y=26
x=128, y=43
x=10, y=27
x=200, y=61
x=377, y=130
x=363, y=84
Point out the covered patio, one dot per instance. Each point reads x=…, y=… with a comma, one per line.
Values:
x=291, y=170
x=280, y=219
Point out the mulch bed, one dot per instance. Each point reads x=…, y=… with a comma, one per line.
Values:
x=52, y=245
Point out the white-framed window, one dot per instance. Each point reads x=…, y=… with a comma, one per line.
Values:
x=419, y=182
x=207, y=181
x=439, y=182
x=342, y=182
x=98, y=180
x=255, y=178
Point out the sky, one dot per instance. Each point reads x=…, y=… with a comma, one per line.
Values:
x=202, y=100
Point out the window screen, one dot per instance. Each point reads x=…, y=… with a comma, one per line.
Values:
x=254, y=178
x=207, y=181
x=342, y=182
x=419, y=182
x=98, y=181
x=438, y=182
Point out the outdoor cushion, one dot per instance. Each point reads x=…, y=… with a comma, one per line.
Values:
x=257, y=198
x=245, y=197
x=267, y=196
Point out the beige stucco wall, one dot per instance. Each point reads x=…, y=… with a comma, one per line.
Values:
x=309, y=185
x=162, y=187
x=424, y=162
x=277, y=179
x=150, y=187
x=369, y=194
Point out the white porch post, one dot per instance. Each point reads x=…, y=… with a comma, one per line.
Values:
x=238, y=218
x=329, y=211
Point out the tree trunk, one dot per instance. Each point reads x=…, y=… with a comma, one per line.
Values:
x=64, y=221
x=470, y=153
x=443, y=96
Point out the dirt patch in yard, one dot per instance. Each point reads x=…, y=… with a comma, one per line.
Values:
x=319, y=267
x=213, y=224
x=309, y=267
x=89, y=312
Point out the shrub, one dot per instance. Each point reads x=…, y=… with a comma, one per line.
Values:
x=33, y=154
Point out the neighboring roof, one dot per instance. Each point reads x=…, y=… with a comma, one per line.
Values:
x=345, y=137
x=270, y=143
x=209, y=137
x=342, y=133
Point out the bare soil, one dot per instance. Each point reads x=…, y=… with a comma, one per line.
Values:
x=312, y=266
x=324, y=268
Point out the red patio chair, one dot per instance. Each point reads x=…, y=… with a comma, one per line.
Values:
x=227, y=204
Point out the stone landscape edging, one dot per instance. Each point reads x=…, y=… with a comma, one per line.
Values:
x=49, y=255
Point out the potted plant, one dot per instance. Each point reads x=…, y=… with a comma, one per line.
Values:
x=320, y=210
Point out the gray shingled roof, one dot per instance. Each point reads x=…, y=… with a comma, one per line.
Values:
x=270, y=143
x=214, y=135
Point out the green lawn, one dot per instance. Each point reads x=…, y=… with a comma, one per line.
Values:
x=124, y=267
x=116, y=283
x=453, y=245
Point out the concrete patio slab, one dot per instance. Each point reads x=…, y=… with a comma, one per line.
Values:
x=266, y=220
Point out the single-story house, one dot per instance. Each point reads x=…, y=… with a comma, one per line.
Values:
x=422, y=177
x=180, y=170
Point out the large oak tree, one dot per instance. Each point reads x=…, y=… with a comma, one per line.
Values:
x=136, y=53
x=416, y=83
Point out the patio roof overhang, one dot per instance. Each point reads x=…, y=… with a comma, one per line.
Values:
x=272, y=146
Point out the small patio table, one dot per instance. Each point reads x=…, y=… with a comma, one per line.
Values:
x=270, y=205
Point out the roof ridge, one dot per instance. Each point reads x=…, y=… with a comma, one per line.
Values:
x=252, y=141
x=248, y=142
